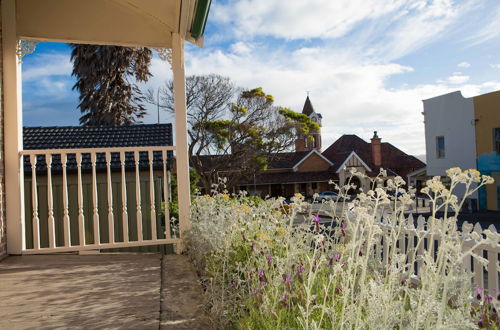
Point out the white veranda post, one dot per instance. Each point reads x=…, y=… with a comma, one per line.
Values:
x=13, y=126
x=181, y=136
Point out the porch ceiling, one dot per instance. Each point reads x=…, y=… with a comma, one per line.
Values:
x=148, y=23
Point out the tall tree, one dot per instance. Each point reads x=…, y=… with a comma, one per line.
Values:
x=241, y=130
x=106, y=79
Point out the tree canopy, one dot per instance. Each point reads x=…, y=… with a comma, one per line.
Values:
x=106, y=80
x=240, y=130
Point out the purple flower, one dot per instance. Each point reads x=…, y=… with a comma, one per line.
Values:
x=338, y=289
x=489, y=298
x=481, y=323
x=316, y=222
x=262, y=276
x=256, y=292
x=283, y=301
x=337, y=256
x=299, y=271
x=269, y=259
x=342, y=228
x=479, y=292
x=233, y=284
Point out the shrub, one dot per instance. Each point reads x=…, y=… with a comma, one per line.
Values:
x=261, y=270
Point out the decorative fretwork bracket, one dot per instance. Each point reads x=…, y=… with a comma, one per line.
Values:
x=165, y=54
x=25, y=47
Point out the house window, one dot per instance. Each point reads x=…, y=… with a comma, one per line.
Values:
x=440, y=146
x=496, y=140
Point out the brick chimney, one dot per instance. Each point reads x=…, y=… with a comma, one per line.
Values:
x=376, y=150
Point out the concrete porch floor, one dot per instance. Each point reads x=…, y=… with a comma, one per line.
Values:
x=103, y=291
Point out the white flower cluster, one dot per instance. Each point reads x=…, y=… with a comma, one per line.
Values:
x=372, y=266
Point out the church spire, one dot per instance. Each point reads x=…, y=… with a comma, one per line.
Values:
x=308, y=108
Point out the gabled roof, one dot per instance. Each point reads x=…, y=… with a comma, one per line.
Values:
x=392, y=157
x=313, y=151
x=308, y=108
x=353, y=154
x=79, y=137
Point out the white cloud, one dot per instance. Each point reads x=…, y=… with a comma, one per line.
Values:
x=495, y=66
x=385, y=30
x=47, y=65
x=301, y=19
x=241, y=47
x=463, y=65
x=489, y=30
x=351, y=93
x=457, y=78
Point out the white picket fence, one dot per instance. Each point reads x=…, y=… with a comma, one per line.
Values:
x=77, y=221
x=483, y=277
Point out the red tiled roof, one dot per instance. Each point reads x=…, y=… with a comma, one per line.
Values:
x=392, y=157
x=290, y=177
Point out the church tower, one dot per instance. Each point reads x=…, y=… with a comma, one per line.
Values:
x=312, y=140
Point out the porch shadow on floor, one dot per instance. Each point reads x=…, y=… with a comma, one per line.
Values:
x=98, y=291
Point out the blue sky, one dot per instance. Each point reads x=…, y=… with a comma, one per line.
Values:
x=367, y=63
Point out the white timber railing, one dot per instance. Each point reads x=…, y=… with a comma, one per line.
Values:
x=415, y=241
x=99, y=198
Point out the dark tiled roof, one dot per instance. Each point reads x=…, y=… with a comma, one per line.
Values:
x=392, y=158
x=290, y=177
x=308, y=108
x=73, y=137
x=285, y=160
x=78, y=137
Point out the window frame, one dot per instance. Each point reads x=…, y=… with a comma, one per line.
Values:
x=496, y=141
x=439, y=154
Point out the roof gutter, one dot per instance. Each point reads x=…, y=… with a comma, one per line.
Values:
x=200, y=18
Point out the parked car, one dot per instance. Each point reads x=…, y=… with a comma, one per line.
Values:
x=326, y=196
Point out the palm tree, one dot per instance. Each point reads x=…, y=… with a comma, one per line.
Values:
x=106, y=79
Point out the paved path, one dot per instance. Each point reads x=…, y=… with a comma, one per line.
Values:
x=109, y=291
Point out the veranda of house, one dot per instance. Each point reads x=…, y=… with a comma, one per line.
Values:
x=60, y=211
x=125, y=174
x=163, y=25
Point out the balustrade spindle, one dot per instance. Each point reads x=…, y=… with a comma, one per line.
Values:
x=97, y=239
x=81, y=217
x=67, y=234
x=111, y=221
x=124, y=198
x=34, y=201
x=50, y=202
x=138, y=196
x=165, y=194
x=154, y=234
